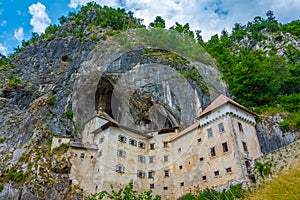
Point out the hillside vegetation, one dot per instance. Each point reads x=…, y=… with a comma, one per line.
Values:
x=284, y=186
x=259, y=60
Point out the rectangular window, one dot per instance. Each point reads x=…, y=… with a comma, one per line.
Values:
x=179, y=149
x=182, y=184
x=240, y=127
x=152, y=186
x=180, y=167
x=217, y=173
x=82, y=155
x=201, y=159
x=221, y=127
x=132, y=142
x=141, y=159
x=141, y=174
x=204, y=178
x=245, y=146
x=152, y=146
x=122, y=139
x=165, y=144
x=151, y=159
x=225, y=147
x=166, y=158
x=121, y=153
x=228, y=170
x=150, y=174
x=167, y=173
x=165, y=188
x=120, y=169
x=199, y=140
x=209, y=133
x=212, y=152
x=142, y=145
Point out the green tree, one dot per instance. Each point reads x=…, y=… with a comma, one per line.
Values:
x=185, y=29
x=159, y=22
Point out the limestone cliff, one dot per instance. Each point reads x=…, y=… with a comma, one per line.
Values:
x=55, y=84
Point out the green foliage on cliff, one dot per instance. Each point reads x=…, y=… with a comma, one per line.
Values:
x=234, y=192
x=259, y=73
x=90, y=15
x=125, y=193
x=263, y=169
x=260, y=77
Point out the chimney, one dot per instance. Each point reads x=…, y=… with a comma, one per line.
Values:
x=100, y=111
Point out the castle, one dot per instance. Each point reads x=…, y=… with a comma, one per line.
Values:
x=217, y=151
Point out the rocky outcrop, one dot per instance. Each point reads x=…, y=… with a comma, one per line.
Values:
x=278, y=43
x=139, y=91
x=61, y=82
x=271, y=137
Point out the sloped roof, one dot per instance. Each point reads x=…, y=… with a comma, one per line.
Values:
x=185, y=131
x=111, y=122
x=81, y=145
x=221, y=100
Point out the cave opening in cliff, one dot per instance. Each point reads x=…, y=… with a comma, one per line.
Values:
x=105, y=98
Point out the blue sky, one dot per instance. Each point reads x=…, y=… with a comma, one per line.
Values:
x=19, y=18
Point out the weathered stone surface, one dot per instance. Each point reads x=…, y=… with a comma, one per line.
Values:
x=10, y=191
x=17, y=154
x=61, y=166
x=271, y=137
x=139, y=91
x=131, y=87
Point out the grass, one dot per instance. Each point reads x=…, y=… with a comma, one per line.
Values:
x=284, y=186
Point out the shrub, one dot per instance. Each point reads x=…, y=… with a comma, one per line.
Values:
x=1, y=187
x=68, y=114
x=13, y=80
x=17, y=176
x=263, y=169
x=284, y=125
x=52, y=99
x=49, y=141
x=2, y=140
x=126, y=193
x=234, y=192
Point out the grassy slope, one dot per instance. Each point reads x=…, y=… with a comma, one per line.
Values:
x=284, y=186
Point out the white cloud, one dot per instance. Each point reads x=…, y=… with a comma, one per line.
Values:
x=19, y=34
x=3, y=50
x=40, y=19
x=77, y=3
x=3, y=23
x=209, y=16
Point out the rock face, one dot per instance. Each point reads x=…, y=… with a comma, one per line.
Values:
x=64, y=80
x=271, y=137
x=139, y=91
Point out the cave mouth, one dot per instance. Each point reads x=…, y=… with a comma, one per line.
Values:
x=105, y=98
x=139, y=110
